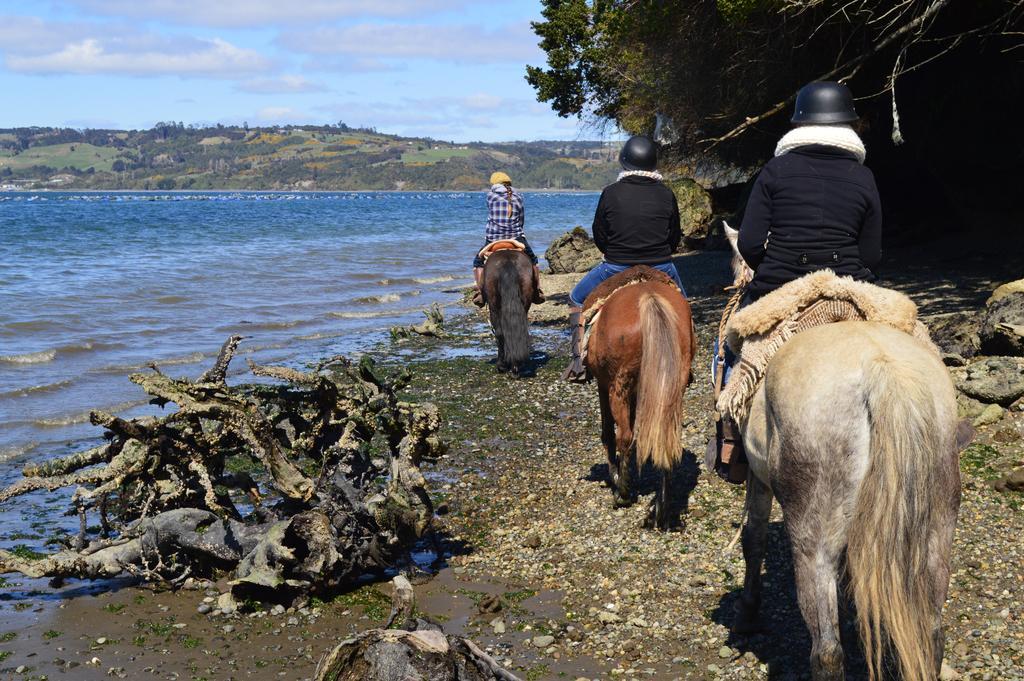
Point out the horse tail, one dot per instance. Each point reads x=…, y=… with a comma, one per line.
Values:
x=904, y=500
x=512, y=315
x=663, y=378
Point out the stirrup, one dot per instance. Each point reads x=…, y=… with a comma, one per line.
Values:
x=478, y=298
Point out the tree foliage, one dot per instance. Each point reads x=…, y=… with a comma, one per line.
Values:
x=709, y=66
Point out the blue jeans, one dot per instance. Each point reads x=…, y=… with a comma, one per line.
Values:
x=606, y=270
x=730, y=360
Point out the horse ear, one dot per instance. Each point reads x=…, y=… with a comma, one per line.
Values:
x=732, y=235
x=965, y=434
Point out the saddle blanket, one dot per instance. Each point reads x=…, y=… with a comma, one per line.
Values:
x=758, y=331
x=603, y=292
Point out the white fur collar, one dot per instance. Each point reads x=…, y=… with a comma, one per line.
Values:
x=653, y=174
x=840, y=136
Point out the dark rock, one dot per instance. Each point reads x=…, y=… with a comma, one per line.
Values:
x=532, y=542
x=574, y=251
x=1006, y=435
x=956, y=334
x=489, y=603
x=995, y=380
x=1002, y=329
x=968, y=407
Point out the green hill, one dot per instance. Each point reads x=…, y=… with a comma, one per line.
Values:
x=331, y=157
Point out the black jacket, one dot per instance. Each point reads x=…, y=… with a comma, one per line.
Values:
x=816, y=207
x=637, y=222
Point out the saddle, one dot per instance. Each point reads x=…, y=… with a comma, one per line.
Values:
x=757, y=332
x=501, y=245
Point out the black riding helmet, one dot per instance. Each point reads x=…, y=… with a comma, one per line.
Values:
x=822, y=103
x=639, y=153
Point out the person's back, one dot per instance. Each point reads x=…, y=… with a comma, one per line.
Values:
x=637, y=222
x=812, y=206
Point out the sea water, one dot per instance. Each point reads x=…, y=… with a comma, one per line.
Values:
x=95, y=286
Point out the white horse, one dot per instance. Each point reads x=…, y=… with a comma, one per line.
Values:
x=854, y=431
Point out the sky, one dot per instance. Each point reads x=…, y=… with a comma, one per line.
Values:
x=446, y=69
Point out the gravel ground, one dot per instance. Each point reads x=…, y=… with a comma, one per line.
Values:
x=532, y=506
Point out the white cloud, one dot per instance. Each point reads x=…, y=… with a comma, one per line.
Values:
x=209, y=58
x=270, y=115
x=230, y=13
x=464, y=43
x=286, y=84
x=434, y=116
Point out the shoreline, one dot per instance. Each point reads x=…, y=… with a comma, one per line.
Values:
x=530, y=519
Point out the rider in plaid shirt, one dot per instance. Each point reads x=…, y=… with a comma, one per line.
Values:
x=505, y=219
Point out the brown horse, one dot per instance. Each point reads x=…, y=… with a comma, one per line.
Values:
x=508, y=288
x=641, y=352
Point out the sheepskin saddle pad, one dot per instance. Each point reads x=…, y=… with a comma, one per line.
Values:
x=758, y=331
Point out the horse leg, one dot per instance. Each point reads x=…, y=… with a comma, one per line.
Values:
x=622, y=411
x=938, y=574
x=608, y=435
x=816, y=566
x=499, y=339
x=755, y=543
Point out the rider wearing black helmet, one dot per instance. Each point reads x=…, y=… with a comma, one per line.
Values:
x=636, y=223
x=813, y=206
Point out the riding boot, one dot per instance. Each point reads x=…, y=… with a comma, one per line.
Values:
x=478, y=297
x=732, y=459
x=575, y=372
x=538, y=295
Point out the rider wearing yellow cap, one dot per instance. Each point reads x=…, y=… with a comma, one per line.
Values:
x=505, y=220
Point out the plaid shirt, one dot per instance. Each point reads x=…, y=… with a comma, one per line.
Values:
x=501, y=222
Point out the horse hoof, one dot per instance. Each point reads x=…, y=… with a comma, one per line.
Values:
x=623, y=502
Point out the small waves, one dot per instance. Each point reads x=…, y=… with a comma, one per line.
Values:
x=170, y=361
x=30, y=357
x=395, y=281
x=372, y=315
x=44, y=356
x=433, y=280
x=171, y=300
x=78, y=418
x=16, y=452
x=35, y=389
x=385, y=298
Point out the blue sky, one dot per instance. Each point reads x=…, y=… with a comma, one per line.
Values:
x=447, y=69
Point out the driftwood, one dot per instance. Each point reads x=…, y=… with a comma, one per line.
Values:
x=420, y=651
x=432, y=326
x=291, y=489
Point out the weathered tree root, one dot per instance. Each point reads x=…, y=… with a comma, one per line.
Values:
x=433, y=326
x=422, y=651
x=330, y=460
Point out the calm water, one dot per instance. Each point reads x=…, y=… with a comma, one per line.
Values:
x=95, y=286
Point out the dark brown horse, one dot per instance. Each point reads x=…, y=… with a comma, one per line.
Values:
x=508, y=288
x=641, y=351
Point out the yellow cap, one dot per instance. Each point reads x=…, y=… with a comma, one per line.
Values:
x=500, y=178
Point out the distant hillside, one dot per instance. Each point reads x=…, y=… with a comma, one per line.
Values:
x=172, y=156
